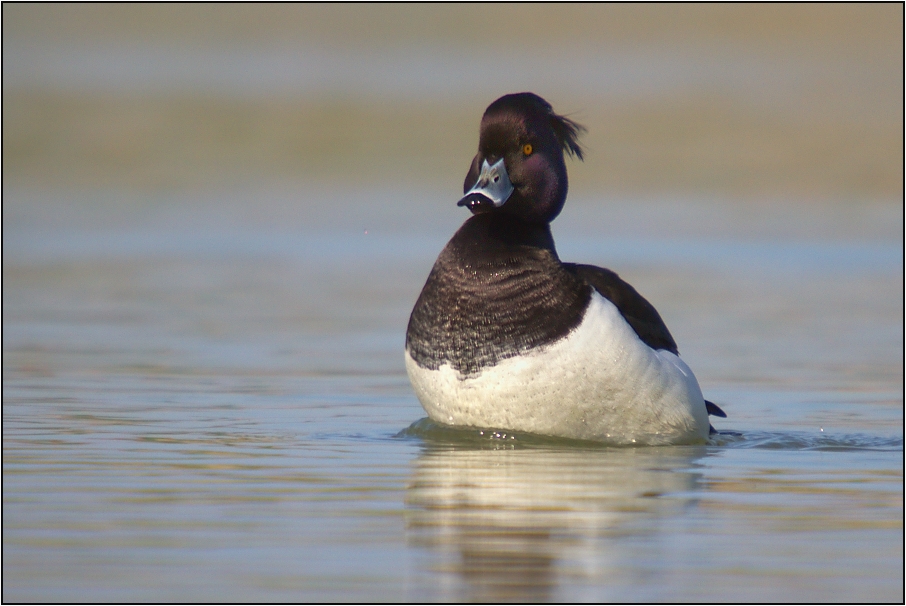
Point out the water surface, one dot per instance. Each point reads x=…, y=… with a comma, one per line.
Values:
x=199, y=407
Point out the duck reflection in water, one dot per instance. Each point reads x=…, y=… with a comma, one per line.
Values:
x=528, y=524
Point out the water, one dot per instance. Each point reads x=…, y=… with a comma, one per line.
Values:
x=198, y=406
x=216, y=221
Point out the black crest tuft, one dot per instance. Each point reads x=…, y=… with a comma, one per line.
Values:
x=567, y=131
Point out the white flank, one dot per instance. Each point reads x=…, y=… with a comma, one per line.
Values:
x=600, y=382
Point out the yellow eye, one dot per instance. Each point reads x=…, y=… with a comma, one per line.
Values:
x=527, y=149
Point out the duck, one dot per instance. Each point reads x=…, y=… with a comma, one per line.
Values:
x=506, y=336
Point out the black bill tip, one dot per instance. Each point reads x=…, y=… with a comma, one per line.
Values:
x=477, y=203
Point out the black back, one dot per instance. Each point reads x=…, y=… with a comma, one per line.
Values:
x=637, y=311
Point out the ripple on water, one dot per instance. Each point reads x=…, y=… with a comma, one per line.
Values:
x=438, y=434
x=792, y=440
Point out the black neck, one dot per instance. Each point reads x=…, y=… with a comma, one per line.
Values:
x=497, y=290
x=491, y=237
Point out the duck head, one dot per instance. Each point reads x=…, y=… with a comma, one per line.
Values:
x=519, y=169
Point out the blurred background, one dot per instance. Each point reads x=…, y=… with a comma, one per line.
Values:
x=217, y=218
x=327, y=144
x=741, y=101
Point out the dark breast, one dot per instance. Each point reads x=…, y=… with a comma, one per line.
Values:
x=495, y=292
